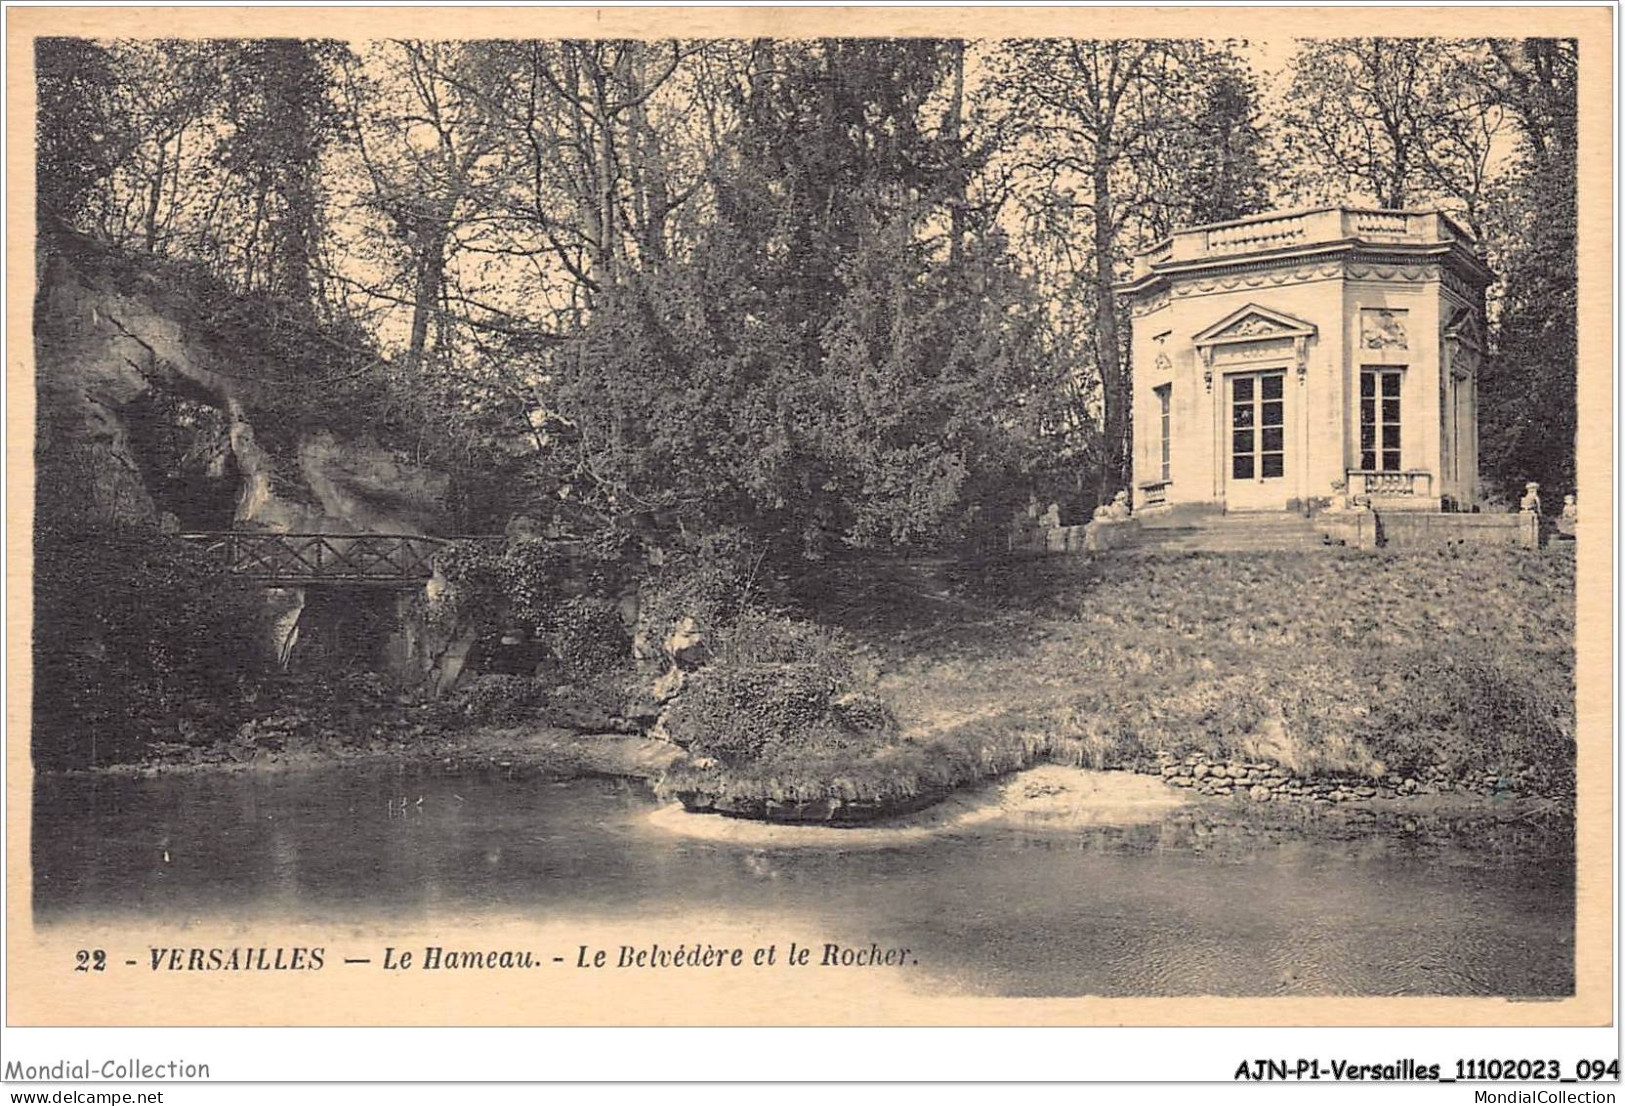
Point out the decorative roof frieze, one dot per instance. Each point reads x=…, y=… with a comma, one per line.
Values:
x=1271, y=275
x=1410, y=274
x=1150, y=304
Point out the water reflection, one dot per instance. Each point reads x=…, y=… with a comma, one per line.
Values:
x=1175, y=908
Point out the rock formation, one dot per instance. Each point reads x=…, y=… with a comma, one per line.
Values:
x=122, y=361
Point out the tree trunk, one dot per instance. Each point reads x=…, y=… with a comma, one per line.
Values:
x=956, y=147
x=646, y=171
x=1395, y=200
x=605, y=151
x=154, y=198
x=298, y=234
x=251, y=250
x=1113, y=387
x=426, y=297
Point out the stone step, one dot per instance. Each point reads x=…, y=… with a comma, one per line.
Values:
x=1235, y=547
x=1234, y=532
x=1233, y=535
x=1262, y=520
x=1239, y=532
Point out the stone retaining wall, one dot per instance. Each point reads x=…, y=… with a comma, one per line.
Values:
x=1416, y=530
x=1366, y=529
x=1263, y=781
x=1111, y=533
x=1089, y=538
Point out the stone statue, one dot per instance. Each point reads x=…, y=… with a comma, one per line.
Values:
x=1340, y=494
x=1051, y=519
x=1571, y=515
x=1530, y=503
x=1114, y=511
x=1342, y=501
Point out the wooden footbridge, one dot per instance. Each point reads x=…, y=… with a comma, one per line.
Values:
x=301, y=560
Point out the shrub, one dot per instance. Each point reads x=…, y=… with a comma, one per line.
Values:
x=733, y=712
x=518, y=581
x=777, y=684
x=589, y=637
x=532, y=572
x=713, y=584
x=1476, y=709
x=499, y=700
x=595, y=705
x=529, y=583
x=762, y=637
x=137, y=635
x=473, y=571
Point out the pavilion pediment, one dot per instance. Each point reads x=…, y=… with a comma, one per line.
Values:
x=1254, y=323
x=1463, y=328
x=1251, y=330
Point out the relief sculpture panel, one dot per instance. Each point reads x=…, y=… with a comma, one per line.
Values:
x=1382, y=328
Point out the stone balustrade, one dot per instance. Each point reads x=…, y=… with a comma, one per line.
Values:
x=1303, y=228
x=1261, y=234
x=1377, y=222
x=1412, y=482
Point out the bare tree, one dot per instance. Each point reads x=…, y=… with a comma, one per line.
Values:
x=1400, y=120
x=1096, y=137
x=166, y=92
x=428, y=147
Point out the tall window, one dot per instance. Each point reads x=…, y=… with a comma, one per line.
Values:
x=1257, y=426
x=1164, y=395
x=1379, y=419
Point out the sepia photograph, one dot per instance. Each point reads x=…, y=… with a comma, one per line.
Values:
x=853, y=520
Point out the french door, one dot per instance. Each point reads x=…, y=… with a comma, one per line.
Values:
x=1256, y=466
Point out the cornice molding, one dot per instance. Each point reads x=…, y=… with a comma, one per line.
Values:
x=1445, y=262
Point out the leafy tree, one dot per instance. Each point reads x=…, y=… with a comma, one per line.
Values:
x=79, y=138
x=278, y=106
x=426, y=142
x=1529, y=385
x=815, y=364
x=161, y=100
x=1424, y=121
x=1103, y=138
x=1219, y=174
x=1536, y=79
x=590, y=169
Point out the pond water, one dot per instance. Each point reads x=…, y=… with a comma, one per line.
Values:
x=1173, y=908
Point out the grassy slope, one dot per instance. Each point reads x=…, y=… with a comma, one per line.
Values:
x=1326, y=662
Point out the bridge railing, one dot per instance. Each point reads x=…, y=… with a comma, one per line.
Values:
x=312, y=558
